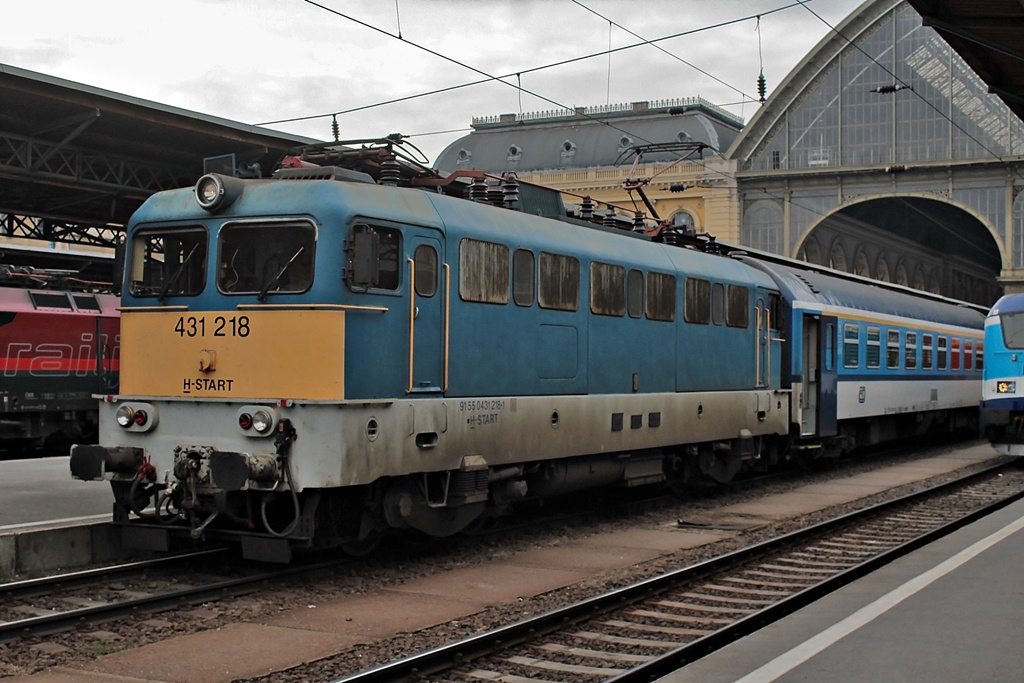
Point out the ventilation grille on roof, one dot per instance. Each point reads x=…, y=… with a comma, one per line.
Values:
x=322, y=173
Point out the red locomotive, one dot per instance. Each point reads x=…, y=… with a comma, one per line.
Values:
x=58, y=349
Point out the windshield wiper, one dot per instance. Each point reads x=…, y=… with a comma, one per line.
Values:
x=177, y=273
x=272, y=281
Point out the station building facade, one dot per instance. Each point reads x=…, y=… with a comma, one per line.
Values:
x=880, y=154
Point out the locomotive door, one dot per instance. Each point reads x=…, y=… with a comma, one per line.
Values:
x=427, y=311
x=818, y=403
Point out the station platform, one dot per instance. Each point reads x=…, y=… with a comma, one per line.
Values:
x=303, y=634
x=951, y=611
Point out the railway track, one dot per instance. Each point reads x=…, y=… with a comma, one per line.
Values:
x=647, y=630
x=38, y=607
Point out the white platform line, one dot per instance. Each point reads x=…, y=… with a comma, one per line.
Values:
x=788, y=661
x=49, y=522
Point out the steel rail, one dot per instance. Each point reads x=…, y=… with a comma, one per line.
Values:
x=459, y=652
x=60, y=621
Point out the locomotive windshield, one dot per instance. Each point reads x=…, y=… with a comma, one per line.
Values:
x=168, y=262
x=261, y=258
x=1013, y=330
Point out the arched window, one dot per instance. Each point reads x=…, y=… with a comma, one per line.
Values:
x=762, y=226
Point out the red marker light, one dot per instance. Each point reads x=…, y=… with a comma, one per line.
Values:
x=245, y=421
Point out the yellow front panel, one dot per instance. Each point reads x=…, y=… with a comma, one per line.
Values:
x=276, y=354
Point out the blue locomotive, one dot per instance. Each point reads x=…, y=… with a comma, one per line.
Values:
x=1002, y=394
x=359, y=344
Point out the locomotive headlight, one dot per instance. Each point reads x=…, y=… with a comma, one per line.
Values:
x=215, y=191
x=257, y=421
x=125, y=416
x=262, y=421
x=1005, y=387
x=139, y=417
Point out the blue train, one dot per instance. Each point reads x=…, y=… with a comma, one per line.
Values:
x=360, y=344
x=1002, y=394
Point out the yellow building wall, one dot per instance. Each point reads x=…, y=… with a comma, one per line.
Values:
x=710, y=195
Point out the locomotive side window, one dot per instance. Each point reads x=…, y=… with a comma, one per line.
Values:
x=167, y=262
x=737, y=310
x=926, y=352
x=851, y=345
x=425, y=259
x=607, y=289
x=661, y=297
x=892, y=349
x=483, y=271
x=635, y=293
x=559, y=282
x=717, y=303
x=696, y=301
x=523, y=267
x=941, y=365
x=260, y=258
x=874, y=347
x=373, y=254
x=910, y=351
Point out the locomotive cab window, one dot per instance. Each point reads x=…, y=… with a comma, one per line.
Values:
x=1012, y=325
x=373, y=258
x=607, y=289
x=168, y=262
x=266, y=258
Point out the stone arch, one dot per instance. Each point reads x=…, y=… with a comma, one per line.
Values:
x=882, y=272
x=811, y=252
x=917, y=279
x=901, y=275
x=837, y=257
x=861, y=265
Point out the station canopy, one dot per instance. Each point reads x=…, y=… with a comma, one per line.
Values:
x=989, y=36
x=76, y=161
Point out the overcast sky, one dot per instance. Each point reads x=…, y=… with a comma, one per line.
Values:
x=260, y=61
